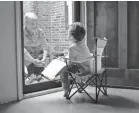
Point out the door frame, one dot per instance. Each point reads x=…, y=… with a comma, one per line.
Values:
x=19, y=52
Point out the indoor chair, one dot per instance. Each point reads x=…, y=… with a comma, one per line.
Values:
x=96, y=76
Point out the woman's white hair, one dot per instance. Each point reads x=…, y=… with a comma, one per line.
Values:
x=30, y=15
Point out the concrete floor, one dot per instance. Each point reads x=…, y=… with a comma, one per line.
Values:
x=117, y=101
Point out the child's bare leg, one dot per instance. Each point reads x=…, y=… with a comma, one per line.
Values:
x=65, y=82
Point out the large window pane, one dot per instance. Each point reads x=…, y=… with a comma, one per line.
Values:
x=53, y=18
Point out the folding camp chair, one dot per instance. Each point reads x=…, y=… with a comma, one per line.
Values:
x=96, y=76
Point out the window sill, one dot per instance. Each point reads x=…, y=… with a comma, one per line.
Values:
x=40, y=93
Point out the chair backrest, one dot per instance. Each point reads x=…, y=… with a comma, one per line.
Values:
x=101, y=43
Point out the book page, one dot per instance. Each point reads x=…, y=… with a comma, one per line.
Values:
x=53, y=68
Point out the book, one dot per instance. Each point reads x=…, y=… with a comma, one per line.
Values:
x=54, y=69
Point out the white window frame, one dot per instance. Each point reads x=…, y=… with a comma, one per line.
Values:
x=18, y=50
x=83, y=16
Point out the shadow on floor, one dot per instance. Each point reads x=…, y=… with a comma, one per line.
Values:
x=110, y=100
x=118, y=101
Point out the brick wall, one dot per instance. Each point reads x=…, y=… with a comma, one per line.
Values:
x=53, y=19
x=30, y=7
x=58, y=25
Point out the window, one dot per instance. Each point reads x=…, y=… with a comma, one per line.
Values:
x=53, y=18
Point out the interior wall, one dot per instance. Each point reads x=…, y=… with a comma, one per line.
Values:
x=133, y=35
x=8, y=82
x=118, y=22
x=106, y=25
x=102, y=21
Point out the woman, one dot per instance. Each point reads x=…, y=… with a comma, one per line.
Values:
x=35, y=47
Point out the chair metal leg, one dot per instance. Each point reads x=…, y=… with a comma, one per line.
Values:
x=71, y=87
x=105, y=83
x=86, y=92
x=74, y=93
x=100, y=86
x=103, y=86
x=78, y=88
x=74, y=82
x=96, y=88
x=99, y=80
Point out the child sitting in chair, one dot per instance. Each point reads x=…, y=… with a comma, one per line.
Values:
x=77, y=51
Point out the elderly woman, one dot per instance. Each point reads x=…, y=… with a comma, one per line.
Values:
x=35, y=47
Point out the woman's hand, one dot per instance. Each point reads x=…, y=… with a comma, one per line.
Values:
x=43, y=61
x=38, y=63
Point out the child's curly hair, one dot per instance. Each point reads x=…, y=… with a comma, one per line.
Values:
x=77, y=31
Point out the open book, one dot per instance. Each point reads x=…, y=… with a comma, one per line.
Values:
x=54, y=68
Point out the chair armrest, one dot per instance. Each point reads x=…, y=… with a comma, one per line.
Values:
x=78, y=61
x=104, y=56
x=101, y=38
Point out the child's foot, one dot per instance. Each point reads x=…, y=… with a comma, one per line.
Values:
x=39, y=78
x=80, y=91
x=66, y=94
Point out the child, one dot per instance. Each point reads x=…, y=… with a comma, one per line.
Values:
x=77, y=51
x=35, y=46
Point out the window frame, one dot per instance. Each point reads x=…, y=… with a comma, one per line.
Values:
x=19, y=46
